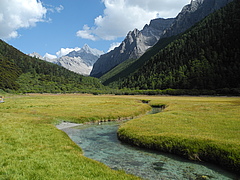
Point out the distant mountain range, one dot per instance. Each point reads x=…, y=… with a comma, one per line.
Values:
x=138, y=42
x=80, y=62
x=203, y=57
x=88, y=61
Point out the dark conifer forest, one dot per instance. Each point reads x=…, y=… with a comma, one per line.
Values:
x=22, y=73
x=207, y=56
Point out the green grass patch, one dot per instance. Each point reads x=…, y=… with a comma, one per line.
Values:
x=33, y=148
x=199, y=128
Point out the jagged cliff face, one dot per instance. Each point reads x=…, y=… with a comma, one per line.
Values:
x=75, y=64
x=137, y=42
x=134, y=45
x=193, y=13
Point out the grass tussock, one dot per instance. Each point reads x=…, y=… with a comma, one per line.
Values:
x=33, y=148
x=199, y=128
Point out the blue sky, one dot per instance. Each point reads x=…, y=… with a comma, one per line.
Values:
x=58, y=26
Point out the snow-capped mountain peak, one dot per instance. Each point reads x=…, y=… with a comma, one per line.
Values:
x=36, y=55
x=85, y=50
x=89, y=50
x=79, y=61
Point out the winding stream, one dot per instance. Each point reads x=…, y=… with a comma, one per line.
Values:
x=100, y=142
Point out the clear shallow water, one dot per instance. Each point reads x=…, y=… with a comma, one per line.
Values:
x=99, y=142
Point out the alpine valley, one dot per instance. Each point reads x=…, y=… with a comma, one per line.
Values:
x=172, y=87
x=197, y=50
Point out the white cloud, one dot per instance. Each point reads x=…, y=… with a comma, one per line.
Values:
x=86, y=33
x=49, y=56
x=15, y=14
x=121, y=16
x=65, y=51
x=165, y=8
x=61, y=52
x=113, y=45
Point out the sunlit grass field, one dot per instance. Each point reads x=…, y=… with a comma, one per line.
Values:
x=31, y=147
x=199, y=128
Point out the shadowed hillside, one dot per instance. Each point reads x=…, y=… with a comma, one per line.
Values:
x=27, y=74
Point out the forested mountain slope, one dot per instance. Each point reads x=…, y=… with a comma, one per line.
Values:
x=27, y=74
x=189, y=16
x=205, y=57
x=130, y=65
x=138, y=42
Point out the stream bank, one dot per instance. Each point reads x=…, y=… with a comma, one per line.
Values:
x=100, y=142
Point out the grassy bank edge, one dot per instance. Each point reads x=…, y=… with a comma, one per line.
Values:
x=189, y=147
x=197, y=150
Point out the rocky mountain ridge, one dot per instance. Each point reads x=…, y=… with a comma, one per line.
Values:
x=137, y=42
x=80, y=61
x=133, y=46
x=193, y=13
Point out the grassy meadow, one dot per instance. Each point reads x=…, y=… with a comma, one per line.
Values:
x=31, y=147
x=199, y=128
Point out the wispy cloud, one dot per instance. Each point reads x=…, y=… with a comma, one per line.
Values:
x=53, y=9
x=59, y=8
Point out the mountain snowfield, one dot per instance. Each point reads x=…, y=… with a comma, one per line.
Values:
x=80, y=61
